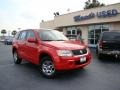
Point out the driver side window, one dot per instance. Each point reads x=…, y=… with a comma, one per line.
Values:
x=22, y=35
x=30, y=34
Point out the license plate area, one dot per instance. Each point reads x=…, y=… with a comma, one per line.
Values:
x=82, y=59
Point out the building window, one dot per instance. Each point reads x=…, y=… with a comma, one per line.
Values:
x=71, y=32
x=94, y=33
x=79, y=32
x=68, y=32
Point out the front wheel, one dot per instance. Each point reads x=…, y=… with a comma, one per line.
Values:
x=17, y=59
x=100, y=56
x=47, y=67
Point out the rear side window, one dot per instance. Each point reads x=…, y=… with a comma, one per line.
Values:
x=22, y=35
x=111, y=36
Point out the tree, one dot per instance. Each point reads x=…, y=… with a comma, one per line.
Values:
x=3, y=32
x=56, y=13
x=14, y=32
x=91, y=4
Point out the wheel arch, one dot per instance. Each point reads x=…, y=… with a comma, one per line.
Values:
x=44, y=54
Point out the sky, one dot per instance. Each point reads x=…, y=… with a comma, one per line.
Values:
x=26, y=14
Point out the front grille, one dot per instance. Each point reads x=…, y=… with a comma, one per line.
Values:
x=79, y=52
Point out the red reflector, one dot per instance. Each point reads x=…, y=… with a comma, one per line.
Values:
x=100, y=44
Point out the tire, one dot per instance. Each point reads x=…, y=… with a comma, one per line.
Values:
x=100, y=56
x=96, y=51
x=17, y=59
x=47, y=67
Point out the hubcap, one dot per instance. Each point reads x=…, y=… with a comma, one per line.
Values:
x=48, y=68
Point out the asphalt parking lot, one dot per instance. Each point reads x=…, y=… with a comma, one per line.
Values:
x=99, y=75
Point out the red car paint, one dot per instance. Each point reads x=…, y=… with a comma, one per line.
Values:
x=31, y=51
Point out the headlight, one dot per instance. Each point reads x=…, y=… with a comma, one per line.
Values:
x=64, y=53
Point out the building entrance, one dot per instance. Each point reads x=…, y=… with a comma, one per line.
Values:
x=94, y=33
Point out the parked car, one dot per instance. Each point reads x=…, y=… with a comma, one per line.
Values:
x=2, y=40
x=109, y=44
x=8, y=40
x=50, y=50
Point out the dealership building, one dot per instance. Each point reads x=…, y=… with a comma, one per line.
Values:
x=89, y=23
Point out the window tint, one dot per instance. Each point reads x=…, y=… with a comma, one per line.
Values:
x=22, y=35
x=30, y=34
x=111, y=36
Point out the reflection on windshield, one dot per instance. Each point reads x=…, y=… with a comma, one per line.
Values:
x=51, y=35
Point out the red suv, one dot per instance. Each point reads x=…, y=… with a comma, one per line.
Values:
x=49, y=49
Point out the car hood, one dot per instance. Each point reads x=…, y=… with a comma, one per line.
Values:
x=69, y=45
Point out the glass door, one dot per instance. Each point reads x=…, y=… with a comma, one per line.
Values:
x=91, y=35
x=98, y=30
x=94, y=33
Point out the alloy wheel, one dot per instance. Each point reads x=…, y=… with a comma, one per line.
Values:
x=48, y=68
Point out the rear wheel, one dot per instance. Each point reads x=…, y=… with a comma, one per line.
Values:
x=47, y=67
x=17, y=59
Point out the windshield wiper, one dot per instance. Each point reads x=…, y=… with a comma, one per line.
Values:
x=47, y=40
x=60, y=40
x=54, y=40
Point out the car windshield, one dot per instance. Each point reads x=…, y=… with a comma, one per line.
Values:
x=111, y=36
x=51, y=35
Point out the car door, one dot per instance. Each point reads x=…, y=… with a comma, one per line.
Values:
x=21, y=44
x=31, y=48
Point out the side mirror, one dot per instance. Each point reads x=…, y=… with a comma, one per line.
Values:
x=32, y=40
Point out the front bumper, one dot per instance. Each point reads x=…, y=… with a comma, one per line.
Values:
x=68, y=63
x=109, y=52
